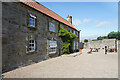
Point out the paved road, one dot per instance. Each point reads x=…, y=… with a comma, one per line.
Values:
x=95, y=65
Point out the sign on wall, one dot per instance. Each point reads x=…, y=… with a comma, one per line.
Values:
x=52, y=27
x=52, y=44
x=52, y=47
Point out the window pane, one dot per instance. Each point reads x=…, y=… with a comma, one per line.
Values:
x=32, y=22
x=52, y=47
x=30, y=19
x=29, y=48
x=32, y=41
x=32, y=45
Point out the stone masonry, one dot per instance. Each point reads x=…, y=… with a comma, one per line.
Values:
x=111, y=43
x=16, y=35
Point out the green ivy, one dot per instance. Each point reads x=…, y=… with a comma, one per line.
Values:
x=67, y=38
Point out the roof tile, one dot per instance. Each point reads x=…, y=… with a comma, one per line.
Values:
x=48, y=12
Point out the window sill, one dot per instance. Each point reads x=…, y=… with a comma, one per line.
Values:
x=30, y=52
x=52, y=53
x=32, y=27
x=52, y=32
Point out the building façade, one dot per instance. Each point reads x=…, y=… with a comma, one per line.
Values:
x=30, y=34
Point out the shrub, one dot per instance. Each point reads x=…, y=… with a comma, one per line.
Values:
x=85, y=40
x=67, y=38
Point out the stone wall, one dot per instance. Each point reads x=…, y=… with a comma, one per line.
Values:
x=101, y=43
x=16, y=34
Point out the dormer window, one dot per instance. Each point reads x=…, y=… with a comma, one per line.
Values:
x=32, y=20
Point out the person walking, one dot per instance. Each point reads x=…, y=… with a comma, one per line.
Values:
x=105, y=49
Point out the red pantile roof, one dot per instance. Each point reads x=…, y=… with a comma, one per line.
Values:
x=48, y=12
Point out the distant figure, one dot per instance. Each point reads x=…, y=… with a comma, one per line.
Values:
x=105, y=49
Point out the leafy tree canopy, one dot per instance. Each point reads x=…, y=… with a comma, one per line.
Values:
x=114, y=35
x=111, y=35
x=85, y=40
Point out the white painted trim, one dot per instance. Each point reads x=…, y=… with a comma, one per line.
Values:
x=53, y=45
x=32, y=47
x=32, y=16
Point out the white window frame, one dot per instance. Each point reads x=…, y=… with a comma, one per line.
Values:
x=32, y=20
x=52, y=47
x=32, y=42
x=52, y=27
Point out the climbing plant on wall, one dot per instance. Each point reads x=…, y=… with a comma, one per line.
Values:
x=67, y=38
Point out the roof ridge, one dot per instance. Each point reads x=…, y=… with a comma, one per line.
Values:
x=50, y=10
x=36, y=5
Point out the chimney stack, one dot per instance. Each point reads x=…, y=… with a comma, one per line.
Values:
x=69, y=19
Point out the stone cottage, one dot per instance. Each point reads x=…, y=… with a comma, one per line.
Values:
x=30, y=33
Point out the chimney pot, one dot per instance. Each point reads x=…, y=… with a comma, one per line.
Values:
x=69, y=19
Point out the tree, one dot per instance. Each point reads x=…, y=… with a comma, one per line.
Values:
x=85, y=40
x=118, y=35
x=99, y=38
x=105, y=37
x=113, y=35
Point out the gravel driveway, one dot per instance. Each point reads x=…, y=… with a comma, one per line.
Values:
x=95, y=65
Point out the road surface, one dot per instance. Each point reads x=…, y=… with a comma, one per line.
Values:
x=95, y=65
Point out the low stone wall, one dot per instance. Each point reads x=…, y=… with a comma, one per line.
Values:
x=111, y=43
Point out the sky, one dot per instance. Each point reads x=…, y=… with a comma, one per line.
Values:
x=94, y=19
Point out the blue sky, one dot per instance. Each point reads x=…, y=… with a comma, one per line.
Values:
x=92, y=18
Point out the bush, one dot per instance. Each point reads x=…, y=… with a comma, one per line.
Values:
x=94, y=40
x=67, y=38
x=100, y=38
x=114, y=35
x=65, y=47
x=85, y=40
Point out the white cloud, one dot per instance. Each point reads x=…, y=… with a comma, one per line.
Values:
x=103, y=24
x=86, y=20
x=76, y=22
